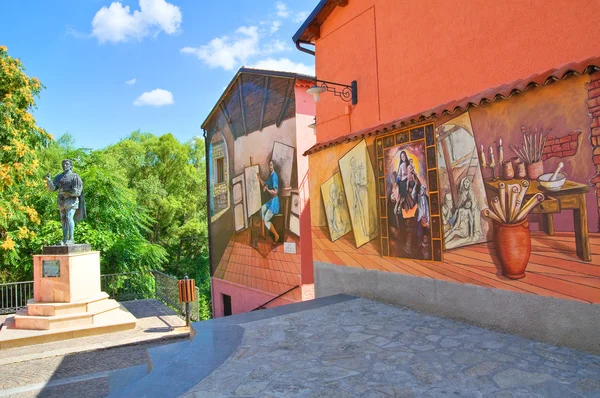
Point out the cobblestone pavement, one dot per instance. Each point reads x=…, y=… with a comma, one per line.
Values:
x=27, y=366
x=23, y=374
x=362, y=348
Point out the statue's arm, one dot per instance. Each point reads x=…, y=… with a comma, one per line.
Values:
x=49, y=184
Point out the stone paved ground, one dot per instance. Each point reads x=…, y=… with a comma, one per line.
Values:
x=362, y=348
x=59, y=361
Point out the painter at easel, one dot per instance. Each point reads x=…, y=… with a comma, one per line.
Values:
x=269, y=209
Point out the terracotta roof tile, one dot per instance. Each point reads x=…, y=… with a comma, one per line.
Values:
x=490, y=95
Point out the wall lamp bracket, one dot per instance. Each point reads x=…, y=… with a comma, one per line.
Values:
x=348, y=93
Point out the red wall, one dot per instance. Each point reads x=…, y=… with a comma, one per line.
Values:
x=409, y=56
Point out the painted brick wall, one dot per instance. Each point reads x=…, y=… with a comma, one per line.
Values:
x=562, y=147
x=593, y=103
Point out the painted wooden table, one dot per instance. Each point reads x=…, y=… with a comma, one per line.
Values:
x=570, y=196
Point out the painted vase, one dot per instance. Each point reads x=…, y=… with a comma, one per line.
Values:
x=508, y=173
x=513, y=248
x=534, y=170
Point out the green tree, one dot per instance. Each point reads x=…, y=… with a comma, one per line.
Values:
x=20, y=137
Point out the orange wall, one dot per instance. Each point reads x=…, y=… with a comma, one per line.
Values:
x=409, y=56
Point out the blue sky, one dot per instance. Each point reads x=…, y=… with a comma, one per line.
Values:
x=113, y=67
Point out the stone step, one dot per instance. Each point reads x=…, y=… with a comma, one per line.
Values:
x=54, y=309
x=36, y=322
x=162, y=355
x=118, y=379
x=116, y=320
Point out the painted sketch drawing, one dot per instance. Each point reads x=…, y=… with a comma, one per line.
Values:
x=283, y=160
x=359, y=187
x=253, y=195
x=336, y=207
x=462, y=191
x=408, y=206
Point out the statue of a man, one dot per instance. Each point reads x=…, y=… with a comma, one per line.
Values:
x=71, y=202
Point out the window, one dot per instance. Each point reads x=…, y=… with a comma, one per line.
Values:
x=226, y=305
x=220, y=170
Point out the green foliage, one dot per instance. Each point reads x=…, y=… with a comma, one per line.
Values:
x=20, y=137
x=145, y=196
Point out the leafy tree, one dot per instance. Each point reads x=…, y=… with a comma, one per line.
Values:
x=20, y=137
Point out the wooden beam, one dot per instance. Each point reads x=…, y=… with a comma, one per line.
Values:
x=286, y=103
x=264, y=102
x=223, y=108
x=242, y=110
x=314, y=32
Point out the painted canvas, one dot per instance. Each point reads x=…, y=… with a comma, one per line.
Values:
x=283, y=160
x=336, y=207
x=361, y=193
x=239, y=203
x=462, y=191
x=408, y=205
x=253, y=195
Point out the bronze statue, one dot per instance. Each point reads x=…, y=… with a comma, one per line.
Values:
x=71, y=202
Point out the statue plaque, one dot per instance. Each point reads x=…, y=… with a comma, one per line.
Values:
x=50, y=268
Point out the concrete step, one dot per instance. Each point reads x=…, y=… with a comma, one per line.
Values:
x=214, y=341
x=118, y=379
x=37, y=322
x=54, y=309
x=162, y=355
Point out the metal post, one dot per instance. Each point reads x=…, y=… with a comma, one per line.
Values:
x=187, y=310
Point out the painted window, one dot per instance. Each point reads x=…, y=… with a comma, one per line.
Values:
x=219, y=184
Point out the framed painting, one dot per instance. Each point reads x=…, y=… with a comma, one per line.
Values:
x=360, y=188
x=283, y=160
x=253, y=196
x=462, y=192
x=336, y=207
x=408, y=189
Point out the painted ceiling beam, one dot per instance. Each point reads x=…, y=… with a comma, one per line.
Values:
x=288, y=96
x=227, y=118
x=264, y=102
x=242, y=110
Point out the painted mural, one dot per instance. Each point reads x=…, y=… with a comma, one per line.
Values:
x=359, y=186
x=336, y=207
x=508, y=191
x=462, y=191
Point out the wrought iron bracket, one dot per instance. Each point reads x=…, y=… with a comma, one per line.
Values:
x=348, y=93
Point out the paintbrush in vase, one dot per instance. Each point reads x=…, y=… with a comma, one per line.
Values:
x=508, y=207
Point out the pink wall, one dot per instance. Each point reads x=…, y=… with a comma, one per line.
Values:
x=243, y=298
x=305, y=138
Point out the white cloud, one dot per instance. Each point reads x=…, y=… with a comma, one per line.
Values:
x=156, y=97
x=301, y=16
x=130, y=82
x=117, y=23
x=275, y=27
x=285, y=65
x=231, y=51
x=282, y=9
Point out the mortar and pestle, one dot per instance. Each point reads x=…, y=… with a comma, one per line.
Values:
x=553, y=181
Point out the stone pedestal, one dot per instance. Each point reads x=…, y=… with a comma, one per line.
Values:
x=67, y=300
x=64, y=278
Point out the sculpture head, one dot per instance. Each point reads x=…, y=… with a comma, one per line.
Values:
x=353, y=163
x=448, y=199
x=67, y=165
x=333, y=193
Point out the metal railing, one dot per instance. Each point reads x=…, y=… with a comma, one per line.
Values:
x=121, y=287
x=14, y=296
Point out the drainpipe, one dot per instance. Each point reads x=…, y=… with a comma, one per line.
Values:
x=303, y=49
x=206, y=147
